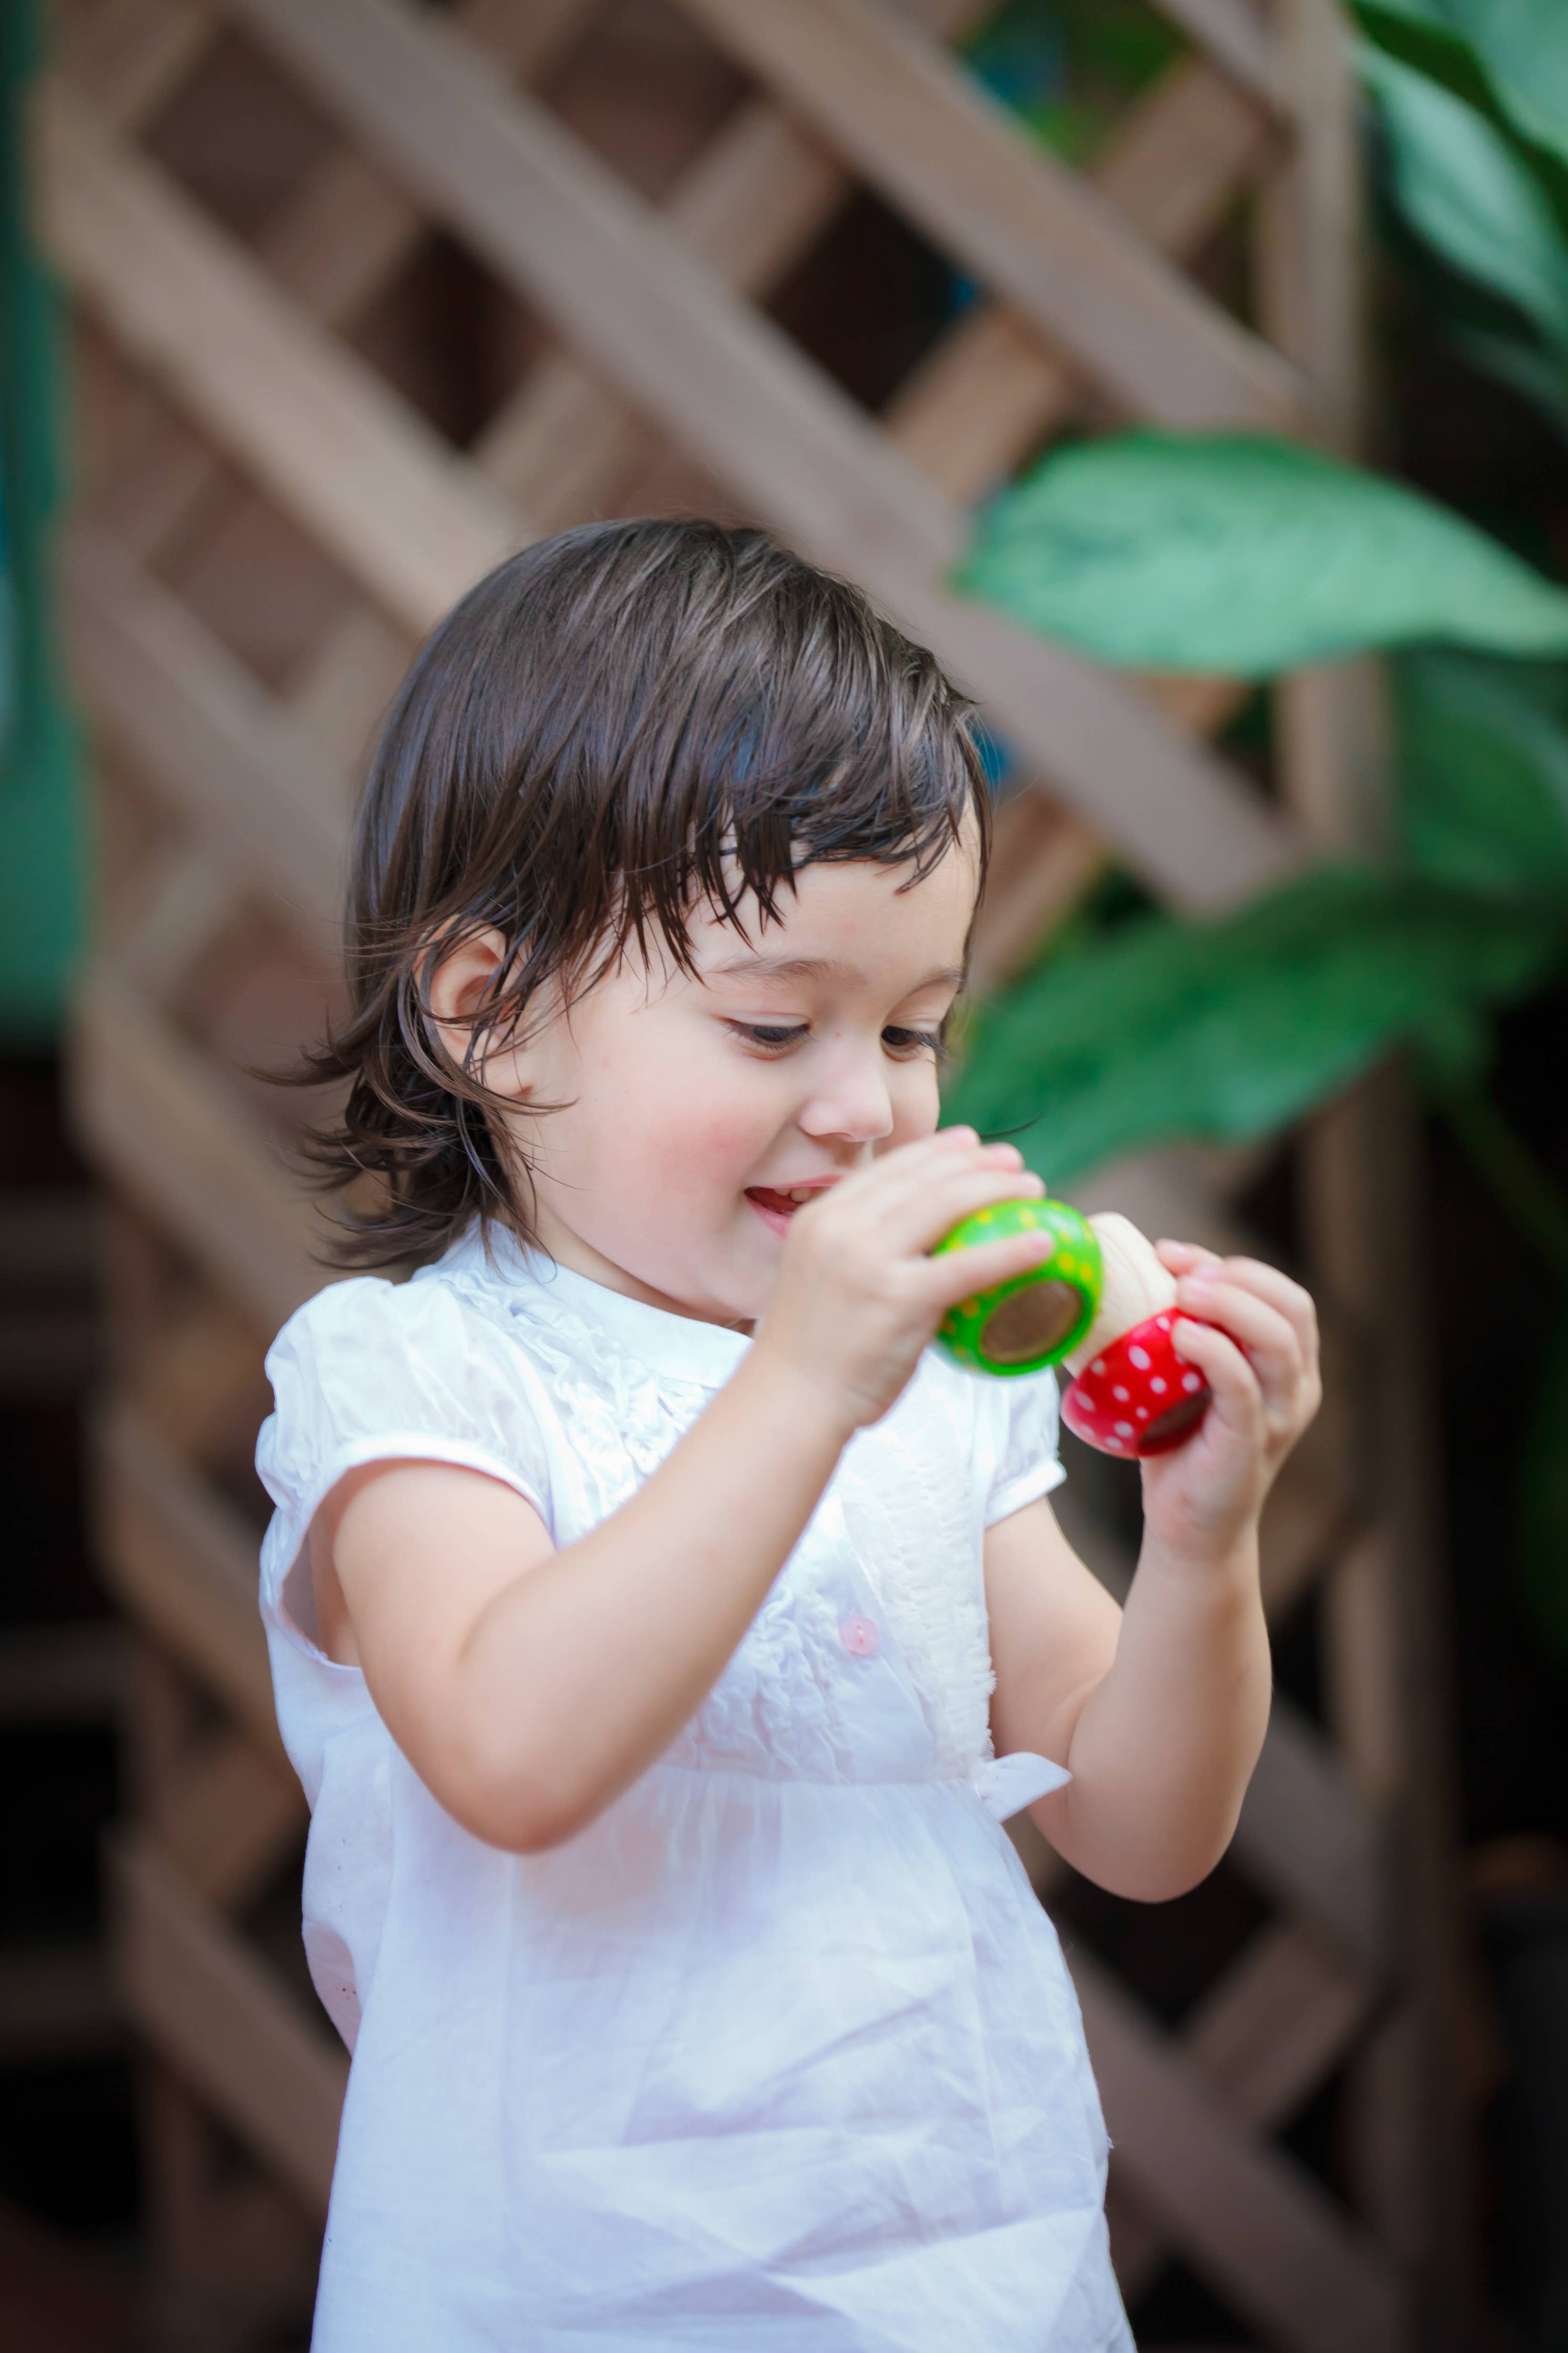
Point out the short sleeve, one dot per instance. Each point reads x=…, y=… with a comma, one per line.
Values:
x=369, y=1371
x=1026, y=1462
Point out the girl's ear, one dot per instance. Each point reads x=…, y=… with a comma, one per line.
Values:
x=458, y=988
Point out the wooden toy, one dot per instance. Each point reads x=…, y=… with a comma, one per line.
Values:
x=1033, y=1321
x=1132, y=1392
x=1104, y=1305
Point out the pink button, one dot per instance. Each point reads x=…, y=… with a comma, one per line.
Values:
x=860, y=1637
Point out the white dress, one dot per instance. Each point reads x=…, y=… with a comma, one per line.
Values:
x=780, y=2055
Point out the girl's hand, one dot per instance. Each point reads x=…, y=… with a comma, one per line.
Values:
x=856, y=1297
x=1262, y=1364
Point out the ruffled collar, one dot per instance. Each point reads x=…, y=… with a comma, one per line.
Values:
x=681, y=1347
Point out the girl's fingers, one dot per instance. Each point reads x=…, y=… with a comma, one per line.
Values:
x=1244, y=1281
x=1294, y=1303
x=959, y=1274
x=1268, y=1338
x=897, y=1198
x=1185, y=1258
x=943, y=1205
x=1237, y=1397
x=918, y=1205
x=913, y=1168
x=1189, y=1260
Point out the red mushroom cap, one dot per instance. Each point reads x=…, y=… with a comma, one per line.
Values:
x=1138, y=1396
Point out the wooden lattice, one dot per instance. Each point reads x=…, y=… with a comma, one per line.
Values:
x=234, y=419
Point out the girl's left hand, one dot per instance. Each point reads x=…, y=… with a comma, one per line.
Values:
x=1261, y=1363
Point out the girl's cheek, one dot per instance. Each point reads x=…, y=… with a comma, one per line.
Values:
x=917, y=1106
x=719, y=1147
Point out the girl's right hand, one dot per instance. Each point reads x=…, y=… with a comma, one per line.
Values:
x=858, y=1298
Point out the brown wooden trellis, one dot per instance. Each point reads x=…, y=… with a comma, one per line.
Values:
x=223, y=381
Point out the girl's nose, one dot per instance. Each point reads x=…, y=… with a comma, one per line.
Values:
x=854, y=1104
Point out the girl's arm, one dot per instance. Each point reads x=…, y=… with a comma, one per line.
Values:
x=1160, y=1710
x=528, y=1687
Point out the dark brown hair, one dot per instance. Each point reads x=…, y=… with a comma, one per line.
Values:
x=622, y=723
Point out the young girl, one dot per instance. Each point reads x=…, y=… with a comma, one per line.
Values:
x=647, y=1602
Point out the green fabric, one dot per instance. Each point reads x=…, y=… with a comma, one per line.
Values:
x=40, y=829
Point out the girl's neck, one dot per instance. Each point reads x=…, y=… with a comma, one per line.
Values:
x=557, y=1241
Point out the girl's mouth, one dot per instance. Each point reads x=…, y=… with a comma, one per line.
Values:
x=776, y=1204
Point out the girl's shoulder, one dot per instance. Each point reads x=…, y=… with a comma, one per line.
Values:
x=370, y=1369
x=1008, y=1428
x=369, y=1328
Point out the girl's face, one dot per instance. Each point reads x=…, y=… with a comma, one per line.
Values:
x=698, y=1111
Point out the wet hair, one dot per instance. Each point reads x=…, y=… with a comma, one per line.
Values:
x=620, y=724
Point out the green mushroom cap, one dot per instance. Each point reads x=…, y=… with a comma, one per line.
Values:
x=1035, y=1319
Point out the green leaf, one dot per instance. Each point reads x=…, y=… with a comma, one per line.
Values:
x=1228, y=1030
x=1542, y=1499
x=1417, y=12
x=1420, y=35
x=1483, y=779
x=1464, y=190
x=1540, y=378
x=1244, y=556
x=1523, y=46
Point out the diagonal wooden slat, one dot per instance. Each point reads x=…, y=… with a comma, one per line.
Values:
x=1273, y=2240
x=1307, y=1835
x=1335, y=1857
x=1043, y=859
x=208, y=739
x=129, y=56
x=991, y=391
x=501, y=173
x=984, y=397
x=1273, y=2024
x=757, y=195
x=182, y=1562
x=225, y=2022
x=750, y=206
x=180, y=1142
x=181, y=904
x=197, y=1377
x=336, y=243
x=233, y=1818
x=346, y=232
x=1265, y=2035
x=379, y=486
x=1238, y=40
x=565, y=442
x=952, y=158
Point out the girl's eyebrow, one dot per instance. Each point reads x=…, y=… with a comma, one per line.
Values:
x=755, y=967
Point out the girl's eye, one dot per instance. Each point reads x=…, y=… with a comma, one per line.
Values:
x=910, y=1042
x=768, y=1038
x=771, y=1037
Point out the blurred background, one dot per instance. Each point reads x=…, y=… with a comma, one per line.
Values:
x=1194, y=377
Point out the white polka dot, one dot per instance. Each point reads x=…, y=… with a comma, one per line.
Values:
x=1124, y=1430
x=1116, y=1443
x=1121, y=1395
x=1141, y=1357
x=1143, y=1413
x=1190, y=1381
x=1164, y=1322
x=1157, y=1386
x=1098, y=1366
